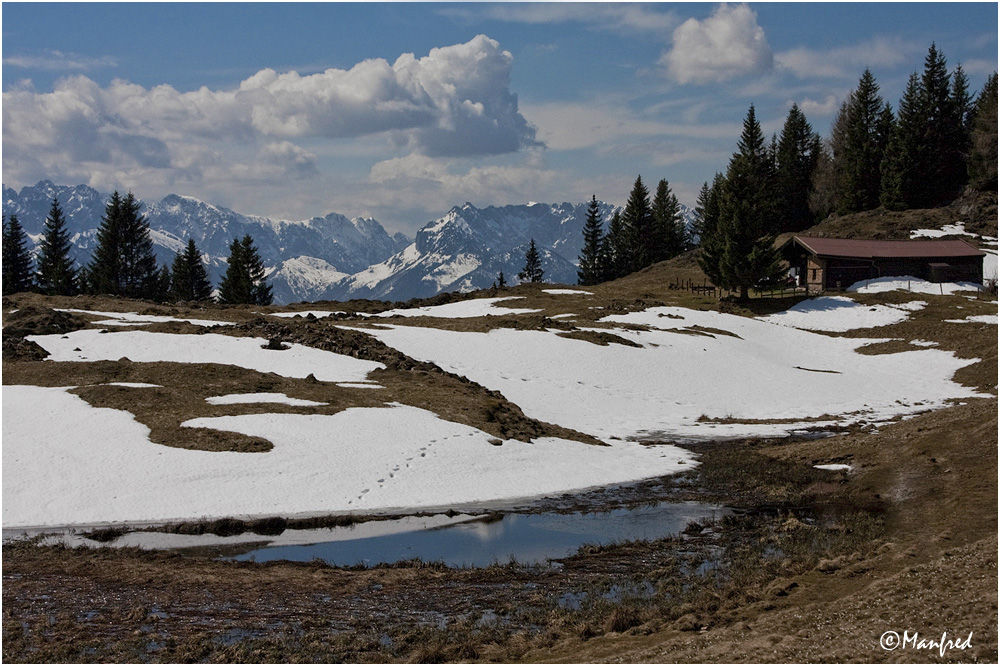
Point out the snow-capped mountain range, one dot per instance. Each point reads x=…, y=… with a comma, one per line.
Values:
x=334, y=257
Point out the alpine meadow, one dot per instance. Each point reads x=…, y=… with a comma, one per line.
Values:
x=500, y=332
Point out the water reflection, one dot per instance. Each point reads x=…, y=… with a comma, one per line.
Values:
x=525, y=538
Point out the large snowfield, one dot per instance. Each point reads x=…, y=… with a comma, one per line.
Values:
x=679, y=379
x=95, y=465
x=694, y=375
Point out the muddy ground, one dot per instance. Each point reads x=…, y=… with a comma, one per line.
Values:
x=815, y=566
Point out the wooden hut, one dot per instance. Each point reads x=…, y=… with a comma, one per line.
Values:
x=824, y=264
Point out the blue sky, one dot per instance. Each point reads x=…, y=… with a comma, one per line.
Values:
x=399, y=111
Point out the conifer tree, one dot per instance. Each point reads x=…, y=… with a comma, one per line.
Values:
x=901, y=179
x=941, y=162
x=17, y=268
x=589, y=272
x=141, y=277
x=501, y=280
x=57, y=274
x=640, y=234
x=244, y=281
x=707, y=209
x=103, y=275
x=261, y=291
x=235, y=287
x=796, y=158
x=124, y=263
x=962, y=109
x=983, y=138
x=864, y=144
x=740, y=253
x=189, y=279
x=670, y=238
x=532, y=271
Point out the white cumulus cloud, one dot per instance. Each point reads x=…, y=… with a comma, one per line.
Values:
x=726, y=45
x=454, y=102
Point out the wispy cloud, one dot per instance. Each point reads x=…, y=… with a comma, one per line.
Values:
x=848, y=62
x=623, y=18
x=570, y=126
x=59, y=61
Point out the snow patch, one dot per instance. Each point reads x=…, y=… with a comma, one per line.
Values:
x=567, y=291
x=475, y=307
x=246, y=398
x=132, y=318
x=978, y=319
x=839, y=313
x=912, y=284
x=146, y=347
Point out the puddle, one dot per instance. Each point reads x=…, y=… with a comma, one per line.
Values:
x=525, y=538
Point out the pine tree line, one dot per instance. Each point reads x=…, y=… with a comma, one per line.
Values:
x=123, y=264
x=740, y=214
x=923, y=155
x=645, y=233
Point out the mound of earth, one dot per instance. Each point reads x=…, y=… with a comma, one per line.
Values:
x=35, y=320
x=19, y=349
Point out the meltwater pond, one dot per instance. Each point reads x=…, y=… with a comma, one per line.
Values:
x=525, y=538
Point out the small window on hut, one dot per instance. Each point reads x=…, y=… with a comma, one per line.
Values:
x=813, y=274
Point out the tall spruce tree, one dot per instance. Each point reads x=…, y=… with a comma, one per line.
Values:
x=942, y=162
x=124, y=263
x=866, y=127
x=244, y=281
x=740, y=253
x=57, y=273
x=962, y=109
x=796, y=158
x=17, y=263
x=532, y=271
x=670, y=238
x=141, y=278
x=901, y=178
x=640, y=233
x=589, y=272
x=103, y=274
x=983, y=138
x=189, y=279
x=235, y=287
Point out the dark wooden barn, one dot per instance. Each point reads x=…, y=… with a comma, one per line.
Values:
x=836, y=263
